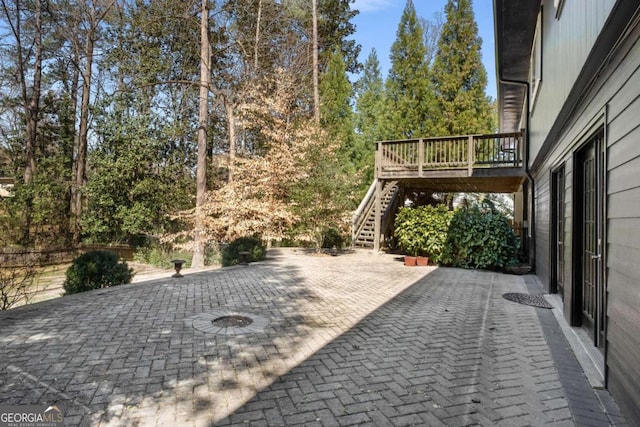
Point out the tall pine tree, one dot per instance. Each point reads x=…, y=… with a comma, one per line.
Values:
x=325, y=194
x=459, y=78
x=336, y=119
x=369, y=110
x=409, y=100
x=335, y=29
x=336, y=113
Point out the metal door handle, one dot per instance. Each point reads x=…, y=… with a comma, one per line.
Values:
x=596, y=256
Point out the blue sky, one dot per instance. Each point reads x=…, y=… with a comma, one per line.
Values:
x=377, y=22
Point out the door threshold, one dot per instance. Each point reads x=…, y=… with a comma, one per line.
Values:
x=589, y=356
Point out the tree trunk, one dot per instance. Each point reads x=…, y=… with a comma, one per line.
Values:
x=31, y=105
x=80, y=164
x=79, y=178
x=199, y=237
x=231, y=129
x=316, y=88
x=70, y=235
x=257, y=39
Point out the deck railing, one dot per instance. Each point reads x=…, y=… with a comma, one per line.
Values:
x=458, y=152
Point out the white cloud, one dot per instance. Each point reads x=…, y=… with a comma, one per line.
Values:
x=372, y=5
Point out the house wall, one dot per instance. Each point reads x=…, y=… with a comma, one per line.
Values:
x=623, y=234
x=613, y=101
x=566, y=43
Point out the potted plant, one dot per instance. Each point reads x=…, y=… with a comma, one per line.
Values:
x=411, y=259
x=422, y=261
x=421, y=232
x=407, y=230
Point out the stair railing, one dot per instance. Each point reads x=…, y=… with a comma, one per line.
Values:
x=367, y=207
x=388, y=216
x=360, y=215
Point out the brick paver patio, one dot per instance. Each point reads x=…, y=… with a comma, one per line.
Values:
x=355, y=339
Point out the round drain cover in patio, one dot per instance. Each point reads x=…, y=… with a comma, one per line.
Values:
x=528, y=299
x=232, y=321
x=224, y=322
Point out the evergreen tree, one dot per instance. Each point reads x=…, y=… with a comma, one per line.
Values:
x=335, y=28
x=369, y=110
x=336, y=113
x=459, y=78
x=325, y=195
x=137, y=179
x=409, y=100
x=320, y=200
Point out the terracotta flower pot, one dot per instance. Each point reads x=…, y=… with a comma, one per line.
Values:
x=410, y=261
x=422, y=261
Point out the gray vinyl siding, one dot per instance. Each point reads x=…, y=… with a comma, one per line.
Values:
x=616, y=92
x=566, y=43
x=623, y=324
x=568, y=233
x=543, y=221
x=543, y=213
x=623, y=238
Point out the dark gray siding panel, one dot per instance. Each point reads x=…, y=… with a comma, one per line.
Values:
x=625, y=204
x=568, y=283
x=614, y=97
x=623, y=235
x=624, y=149
x=626, y=177
x=627, y=121
x=543, y=193
x=566, y=45
x=623, y=357
x=623, y=260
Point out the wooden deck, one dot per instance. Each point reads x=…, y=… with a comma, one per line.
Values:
x=453, y=164
x=473, y=163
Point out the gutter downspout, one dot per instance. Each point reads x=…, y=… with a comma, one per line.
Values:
x=532, y=223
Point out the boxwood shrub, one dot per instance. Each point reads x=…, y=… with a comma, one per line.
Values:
x=253, y=245
x=95, y=270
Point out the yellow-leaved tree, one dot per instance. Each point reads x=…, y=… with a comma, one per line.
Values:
x=258, y=201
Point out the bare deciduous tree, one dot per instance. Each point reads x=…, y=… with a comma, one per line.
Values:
x=17, y=276
x=203, y=114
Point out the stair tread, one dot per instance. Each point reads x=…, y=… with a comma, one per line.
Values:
x=366, y=233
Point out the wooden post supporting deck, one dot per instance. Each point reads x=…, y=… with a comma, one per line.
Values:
x=378, y=200
x=420, y=156
x=378, y=217
x=470, y=156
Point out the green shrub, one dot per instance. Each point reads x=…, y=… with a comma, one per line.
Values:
x=407, y=231
x=423, y=230
x=482, y=238
x=95, y=270
x=332, y=239
x=253, y=245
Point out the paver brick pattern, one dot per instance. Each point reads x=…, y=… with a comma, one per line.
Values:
x=355, y=339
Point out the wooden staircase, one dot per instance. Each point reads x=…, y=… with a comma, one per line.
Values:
x=363, y=226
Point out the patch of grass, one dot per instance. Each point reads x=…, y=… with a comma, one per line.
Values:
x=159, y=258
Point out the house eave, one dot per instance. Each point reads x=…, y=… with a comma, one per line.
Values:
x=515, y=24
